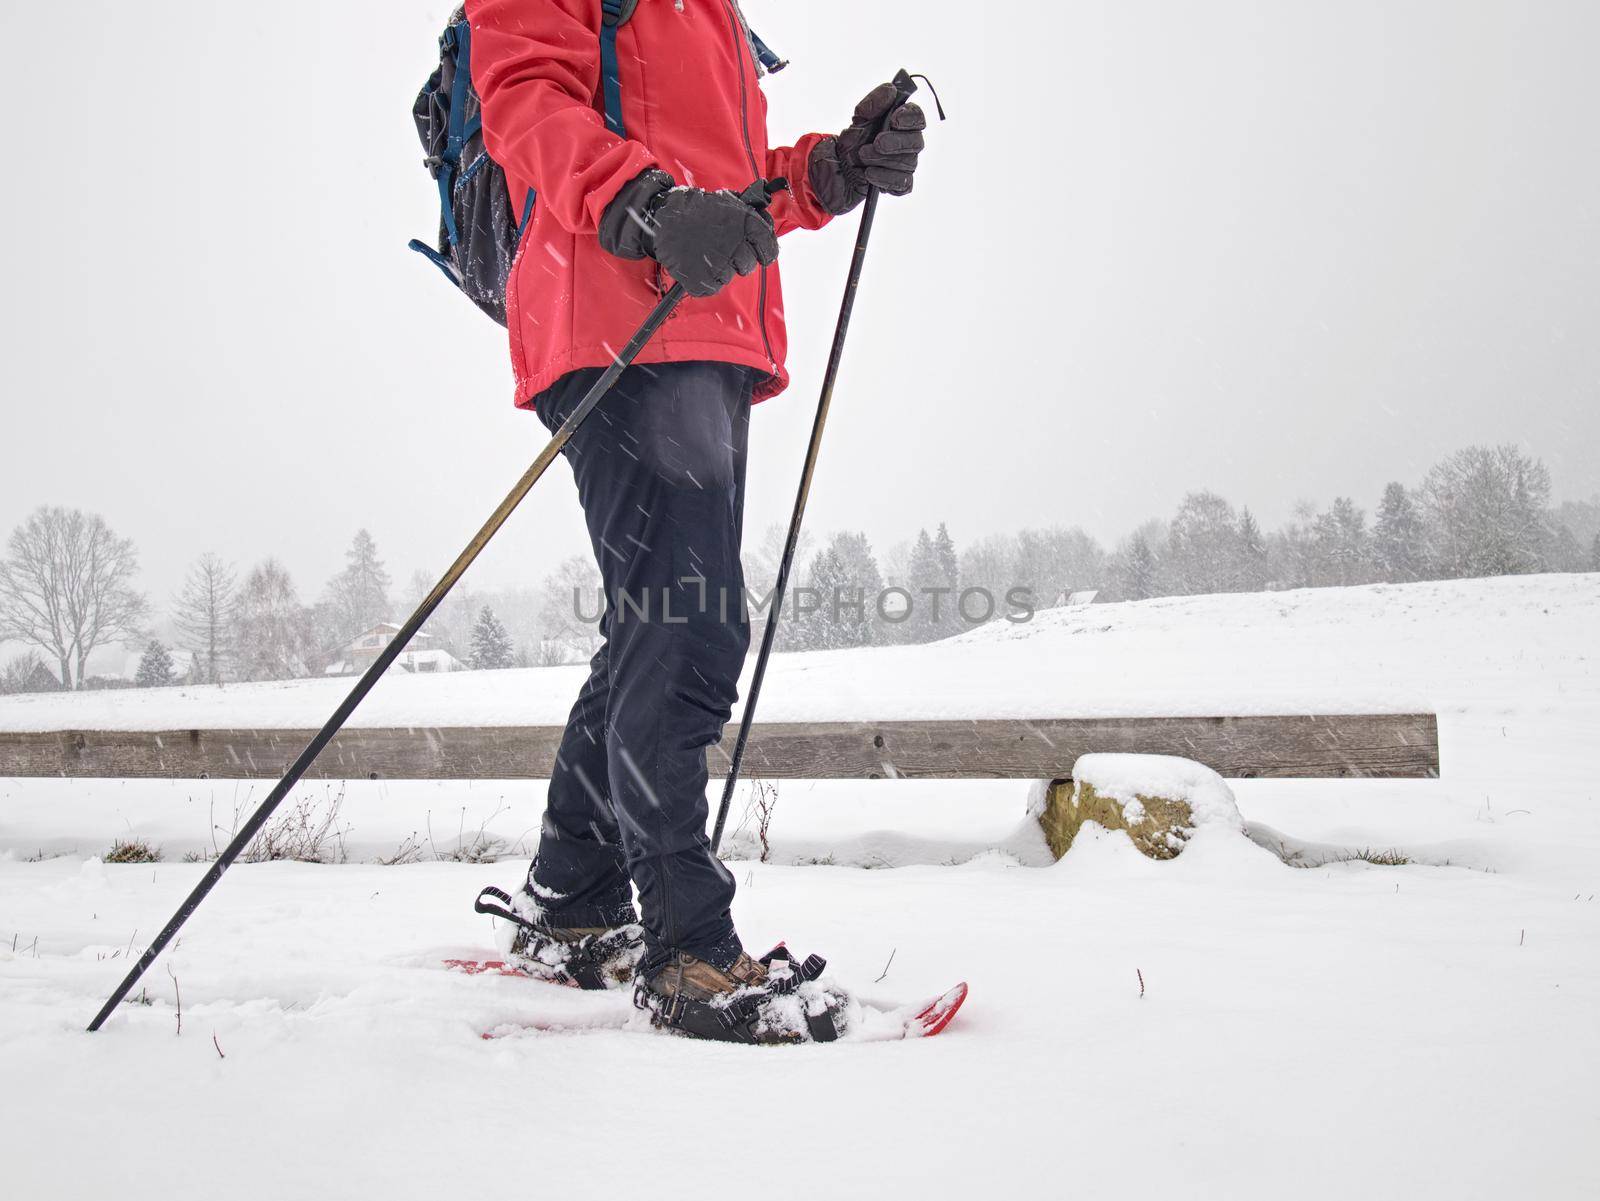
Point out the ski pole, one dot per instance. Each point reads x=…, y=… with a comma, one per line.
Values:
x=905, y=85
x=390, y=653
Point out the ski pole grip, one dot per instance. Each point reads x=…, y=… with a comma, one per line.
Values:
x=905, y=86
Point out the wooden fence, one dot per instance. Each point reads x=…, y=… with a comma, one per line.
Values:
x=1387, y=745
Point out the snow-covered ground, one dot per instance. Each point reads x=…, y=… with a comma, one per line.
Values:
x=1345, y=1030
x=1371, y=649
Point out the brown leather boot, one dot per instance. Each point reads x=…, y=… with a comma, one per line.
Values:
x=771, y=1000
x=696, y=979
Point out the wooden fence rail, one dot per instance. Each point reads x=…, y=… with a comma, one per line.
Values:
x=1360, y=745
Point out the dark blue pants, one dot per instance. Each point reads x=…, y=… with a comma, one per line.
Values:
x=660, y=468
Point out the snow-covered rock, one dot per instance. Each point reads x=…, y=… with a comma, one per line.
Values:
x=1159, y=800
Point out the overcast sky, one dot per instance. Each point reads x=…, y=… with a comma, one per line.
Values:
x=1280, y=250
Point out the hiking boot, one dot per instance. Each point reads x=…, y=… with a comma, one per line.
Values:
x=590, y=957
x=770, y=1000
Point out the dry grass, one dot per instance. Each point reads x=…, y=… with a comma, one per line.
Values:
x=132, y=850
x=480, y=847
x=1388, y=858
x=756, y=822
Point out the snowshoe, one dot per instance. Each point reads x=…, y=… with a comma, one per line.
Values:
x=592, y=958
x=765, y=1001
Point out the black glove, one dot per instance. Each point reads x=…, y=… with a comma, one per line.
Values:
x=873, y=152
x=702, y=239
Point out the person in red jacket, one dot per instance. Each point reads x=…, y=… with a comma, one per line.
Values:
x=622, y=213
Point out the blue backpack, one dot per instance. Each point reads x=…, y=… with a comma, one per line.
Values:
x=478, y=231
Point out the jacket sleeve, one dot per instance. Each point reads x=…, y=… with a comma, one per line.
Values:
x=798, y=208
x=536, y=65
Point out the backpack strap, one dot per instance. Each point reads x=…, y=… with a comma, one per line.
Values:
x=457, y=39
x=769, y=61
x=614, y=15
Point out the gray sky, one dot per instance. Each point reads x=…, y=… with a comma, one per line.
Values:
x=1280, y=250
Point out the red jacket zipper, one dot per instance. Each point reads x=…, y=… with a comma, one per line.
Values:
x=745, y=57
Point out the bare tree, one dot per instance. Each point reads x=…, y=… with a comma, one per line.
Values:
x=569, y=606
x=67, y=588
x=1203, y=547
x=204, y=614
x=270, y=628
x=1488, y=512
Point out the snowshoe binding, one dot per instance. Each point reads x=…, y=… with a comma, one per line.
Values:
x=773, y=1000
x=591, y=958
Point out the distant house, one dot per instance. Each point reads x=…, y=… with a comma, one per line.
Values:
x=420, y=656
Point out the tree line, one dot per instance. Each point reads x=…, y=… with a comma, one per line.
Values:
x=67, y=581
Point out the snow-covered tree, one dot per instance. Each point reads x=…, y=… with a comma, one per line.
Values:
x=1582, y=519
x=66, y=587
x=155, y=666
x=270, y=631
x=358, y=597
x=204, y=614
x=1594, y=554
x=1203, y=549
x=990, y=563
x=27, y=673
x=1252, y=576
x=761, y=571
x=1488, y=513
x=492, y=649
x=1055, y=562
x=1339, y=546
x=1139, y=569
x=1399, y=541
x=863, y=584
x=933, y=577
x=569, y=605
x=812, y=615
x=944, y=554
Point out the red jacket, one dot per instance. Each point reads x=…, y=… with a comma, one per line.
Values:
x=692, y=106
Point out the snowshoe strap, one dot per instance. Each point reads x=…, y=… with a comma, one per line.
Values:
x=799, y=973
x=586, y=967
x=724, y=1024
x=822, y=1026
x=587, y=960
x=501, y=910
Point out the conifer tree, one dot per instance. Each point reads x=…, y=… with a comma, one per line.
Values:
x=1252, y=554
x=1339, y=549
x=861, y=586
x=492, y=649
x=358, y=597
x=1141, y=569
x=1399, y=542
x=155, y=666
x=817, y=625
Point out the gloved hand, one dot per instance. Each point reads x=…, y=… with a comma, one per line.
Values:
x=702, y=239
x=873, y=152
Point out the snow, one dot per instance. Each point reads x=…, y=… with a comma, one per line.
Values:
x=1345, y=1030
x=1361, y=650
